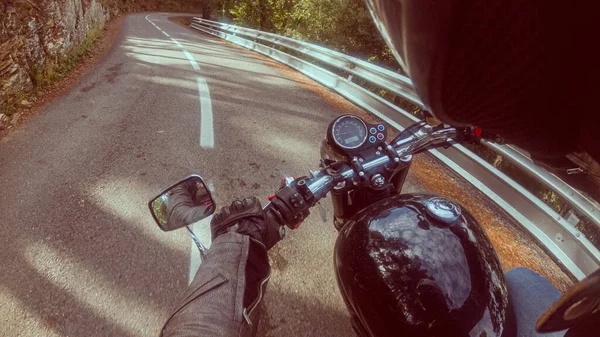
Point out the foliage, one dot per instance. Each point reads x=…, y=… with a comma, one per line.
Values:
x=160, y=209
x=126, y=6
x=54, y=70
x=342, y=25
x=9, y=108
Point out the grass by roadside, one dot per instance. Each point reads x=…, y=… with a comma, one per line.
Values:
x=55, y=70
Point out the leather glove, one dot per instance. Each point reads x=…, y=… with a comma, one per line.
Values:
x=246, y=217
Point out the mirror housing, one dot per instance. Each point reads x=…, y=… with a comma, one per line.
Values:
x=182, y=204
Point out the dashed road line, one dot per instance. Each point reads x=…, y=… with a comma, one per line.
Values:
x=177, y=43
x=192, y=60
x=187, y=53
x=207, y=140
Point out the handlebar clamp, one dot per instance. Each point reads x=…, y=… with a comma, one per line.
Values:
x=358, y=168
x=390, y=152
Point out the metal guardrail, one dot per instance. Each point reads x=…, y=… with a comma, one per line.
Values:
x=381, y=77
x=560, y=238
x=576, y=199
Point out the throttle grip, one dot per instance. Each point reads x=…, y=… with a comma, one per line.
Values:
x=475, y=134
x=273, y=217
x=271, y=214
x=289, y=207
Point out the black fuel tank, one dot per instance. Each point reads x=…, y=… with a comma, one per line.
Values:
x=420, y=265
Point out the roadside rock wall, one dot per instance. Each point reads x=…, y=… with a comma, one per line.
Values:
x=33, y=32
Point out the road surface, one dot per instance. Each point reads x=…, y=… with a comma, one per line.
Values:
x=80, y=253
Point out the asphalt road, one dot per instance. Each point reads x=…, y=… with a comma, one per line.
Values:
x=79, y=252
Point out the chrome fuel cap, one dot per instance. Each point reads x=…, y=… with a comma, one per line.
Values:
x=443, y=209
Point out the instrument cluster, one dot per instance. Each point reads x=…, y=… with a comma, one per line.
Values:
x=350, y=134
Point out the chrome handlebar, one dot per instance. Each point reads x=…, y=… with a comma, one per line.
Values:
x=424, y=137
x=412, y=140
x=291, y=204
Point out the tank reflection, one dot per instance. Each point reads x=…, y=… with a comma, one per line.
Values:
x=401, y=270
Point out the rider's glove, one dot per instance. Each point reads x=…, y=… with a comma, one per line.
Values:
x=246, y=217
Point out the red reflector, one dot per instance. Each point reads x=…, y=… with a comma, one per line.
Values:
x=478, y=131
x=271, y=197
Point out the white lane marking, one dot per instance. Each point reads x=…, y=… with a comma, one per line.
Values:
x=191, y=59
x=147, y=19
x=207, y=140
x=177, y=43
x=187, y=53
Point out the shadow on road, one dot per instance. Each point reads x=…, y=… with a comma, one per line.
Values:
x=71, y=269
x=305, y=317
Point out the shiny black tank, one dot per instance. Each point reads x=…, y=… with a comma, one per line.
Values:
x=404, y=272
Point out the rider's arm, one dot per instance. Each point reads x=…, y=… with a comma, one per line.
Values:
x=224, y=297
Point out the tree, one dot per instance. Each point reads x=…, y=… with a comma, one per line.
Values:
x=343, y=25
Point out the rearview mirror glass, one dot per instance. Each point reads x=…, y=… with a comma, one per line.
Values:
x=182, y=204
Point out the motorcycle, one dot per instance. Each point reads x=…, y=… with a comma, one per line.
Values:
x=421, y=257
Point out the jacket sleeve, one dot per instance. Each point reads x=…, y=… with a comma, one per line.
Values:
x=224, y=297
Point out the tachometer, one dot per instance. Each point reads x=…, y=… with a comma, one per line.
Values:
x=349, y=132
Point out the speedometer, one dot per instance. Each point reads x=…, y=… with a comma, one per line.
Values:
x=349, y=132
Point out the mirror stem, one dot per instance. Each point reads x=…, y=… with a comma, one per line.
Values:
x=199, y=244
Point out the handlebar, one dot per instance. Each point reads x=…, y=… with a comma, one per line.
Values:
x=291, y=204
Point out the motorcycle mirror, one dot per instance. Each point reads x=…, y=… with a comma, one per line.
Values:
x=182, y=204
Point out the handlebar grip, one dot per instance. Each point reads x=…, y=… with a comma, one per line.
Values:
x=272, y=217
x=475, y=134
x=271, y=213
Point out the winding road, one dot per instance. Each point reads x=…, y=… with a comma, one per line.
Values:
x=80, y=253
